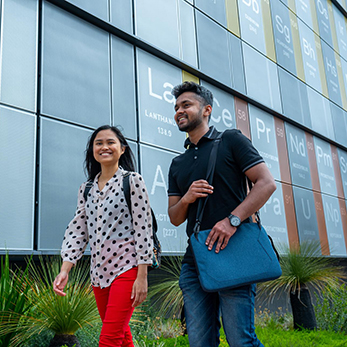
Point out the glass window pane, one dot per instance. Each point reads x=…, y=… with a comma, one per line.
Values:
x=155, y=165
x=17, y=160
x=61, y=173
x=18, y=74
x=75, y=69
x=123, y=87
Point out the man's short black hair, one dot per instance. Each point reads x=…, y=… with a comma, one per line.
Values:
x=205, y=95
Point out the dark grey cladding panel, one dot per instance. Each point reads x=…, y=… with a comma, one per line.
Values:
x=17, y=184
x=155, y=165
x=236, y=64
x=339, y=118
x=121, y=14
x=251, y=23
x=123, y=87
x=261, y=78
x=333, y=222
x=223, y=113
x=323, y=21
x=215, y=9
x=331, y=74
x=343, y=168
x=273, y=217
x=294, y=98
x=264, y=138
x=325, y=166
x=98, y=8
x=306, y=215
x=156, y=79
x=19, y=46
x=309, y=56
x=283, y=36
x=75, y=69
x=298, y=157
x=341, y=33
x=156, y=21
x=61, y=173
x=214, y=59
x=320, y=113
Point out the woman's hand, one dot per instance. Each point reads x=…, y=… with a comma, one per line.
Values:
x=60, y=283
x=139, y=292
x=61, y=280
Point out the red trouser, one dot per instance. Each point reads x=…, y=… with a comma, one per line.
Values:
x=114, y=305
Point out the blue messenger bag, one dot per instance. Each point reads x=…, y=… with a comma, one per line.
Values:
x=249, y=257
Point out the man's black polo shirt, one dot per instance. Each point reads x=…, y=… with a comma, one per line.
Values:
x=236, y=155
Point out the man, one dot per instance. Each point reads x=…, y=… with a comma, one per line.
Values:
x=227, y=206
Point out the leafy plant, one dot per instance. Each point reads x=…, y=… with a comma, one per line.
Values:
x=165, y=293
x=48, y=311
x=331, y=309
x=303, y=268
x=13, y=292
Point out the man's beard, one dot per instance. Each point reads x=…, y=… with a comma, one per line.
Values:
x=191, y=125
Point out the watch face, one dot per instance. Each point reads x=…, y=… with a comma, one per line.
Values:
x=234, y=221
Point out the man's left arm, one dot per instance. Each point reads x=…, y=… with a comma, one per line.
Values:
x=264, y=186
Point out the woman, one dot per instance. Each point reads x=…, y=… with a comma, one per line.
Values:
x=121, y=246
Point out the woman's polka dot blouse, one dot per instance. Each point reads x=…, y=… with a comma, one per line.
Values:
x=118, y=242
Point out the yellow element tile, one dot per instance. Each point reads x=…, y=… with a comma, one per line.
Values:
x=268, y=30
x=300, y=72
x=186, y=76
x=233, y=24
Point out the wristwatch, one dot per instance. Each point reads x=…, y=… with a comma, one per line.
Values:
x=234, y=220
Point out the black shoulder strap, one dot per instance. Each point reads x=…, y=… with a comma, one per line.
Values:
x=126, y=188
x=209, y=178
x=87, y=188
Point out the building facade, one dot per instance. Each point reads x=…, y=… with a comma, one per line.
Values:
x=278, y=71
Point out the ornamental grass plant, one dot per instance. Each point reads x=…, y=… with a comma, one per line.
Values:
x=303, y=269
x=165, y=293
x=47, y=311
x=13, y=291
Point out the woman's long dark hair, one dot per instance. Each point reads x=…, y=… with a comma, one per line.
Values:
x=126, y=161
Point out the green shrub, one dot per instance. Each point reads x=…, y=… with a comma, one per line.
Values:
x=331, y=309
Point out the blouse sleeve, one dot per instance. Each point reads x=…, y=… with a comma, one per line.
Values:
x=142, y=220
x=76, y=235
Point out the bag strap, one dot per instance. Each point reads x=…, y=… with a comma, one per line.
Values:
x=209, y=178
x=87, y=188
x=126, y=188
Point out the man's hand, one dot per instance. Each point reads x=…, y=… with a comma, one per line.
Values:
x=198, y=189
x=222, y=231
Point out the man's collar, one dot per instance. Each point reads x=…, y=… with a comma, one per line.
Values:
x=210, y=135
